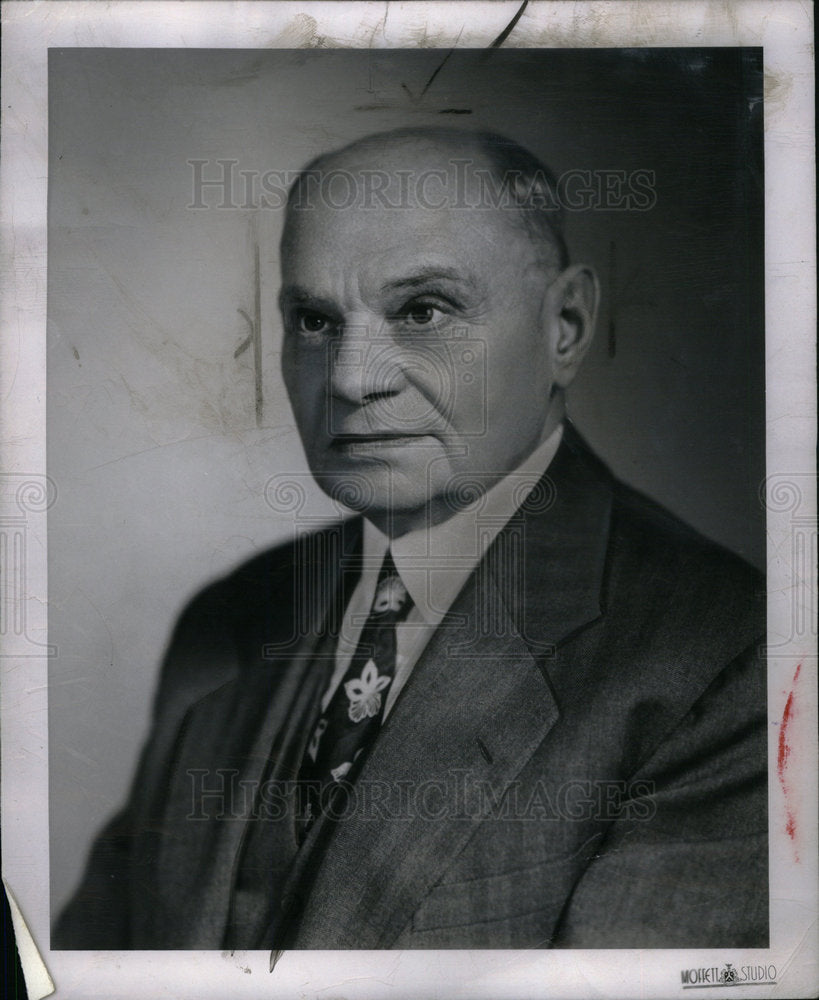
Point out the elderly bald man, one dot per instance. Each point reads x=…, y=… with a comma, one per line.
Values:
x=511, y=704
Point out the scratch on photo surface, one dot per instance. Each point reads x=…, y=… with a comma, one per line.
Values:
x=507, y=31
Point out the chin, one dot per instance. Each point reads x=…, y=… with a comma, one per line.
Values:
x=379, y=491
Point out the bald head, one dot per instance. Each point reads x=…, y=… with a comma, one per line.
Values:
x=438, y=168
x=431, y=319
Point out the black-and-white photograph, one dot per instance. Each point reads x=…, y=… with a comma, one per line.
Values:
x=406, y=409
x=407, y=499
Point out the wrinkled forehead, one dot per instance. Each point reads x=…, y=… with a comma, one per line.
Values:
x=383, y=201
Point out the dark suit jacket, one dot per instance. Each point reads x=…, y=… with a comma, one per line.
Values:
x=585, y=741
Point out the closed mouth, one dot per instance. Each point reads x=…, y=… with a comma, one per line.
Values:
x=351, y=441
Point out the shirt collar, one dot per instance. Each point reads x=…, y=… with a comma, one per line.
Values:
x=435, y=562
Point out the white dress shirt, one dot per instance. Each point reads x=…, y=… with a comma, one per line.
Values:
x=434, y=563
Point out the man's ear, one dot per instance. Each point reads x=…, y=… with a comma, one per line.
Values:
x=573, y=300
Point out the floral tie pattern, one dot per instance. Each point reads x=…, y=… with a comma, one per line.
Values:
x=365, y=693
x=353, y=717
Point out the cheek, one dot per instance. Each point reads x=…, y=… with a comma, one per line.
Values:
x=303, y=375
x=517, y=367
x=290, y=369
x=451, y=386
x=306, y=404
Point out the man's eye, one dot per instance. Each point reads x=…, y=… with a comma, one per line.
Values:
x=420, y=314
x=312, y=322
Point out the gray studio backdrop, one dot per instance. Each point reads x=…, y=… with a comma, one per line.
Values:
x=166, y=410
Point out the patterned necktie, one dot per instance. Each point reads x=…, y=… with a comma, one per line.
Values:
x=353, y=717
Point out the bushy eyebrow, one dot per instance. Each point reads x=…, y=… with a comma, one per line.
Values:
x=426, y=276
x=296, y=295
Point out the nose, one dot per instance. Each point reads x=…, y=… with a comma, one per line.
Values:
x=364, y=365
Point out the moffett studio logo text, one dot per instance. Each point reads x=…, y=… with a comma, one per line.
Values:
x=728, y=975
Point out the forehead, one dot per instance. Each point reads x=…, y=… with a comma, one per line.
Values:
x=375, y=210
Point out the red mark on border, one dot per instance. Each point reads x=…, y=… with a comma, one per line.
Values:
x=783, y=757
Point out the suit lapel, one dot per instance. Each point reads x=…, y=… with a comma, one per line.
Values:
x=459, y=722
x=562, y=531
x=474, y=710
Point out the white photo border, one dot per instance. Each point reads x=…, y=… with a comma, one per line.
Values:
x=784, y=30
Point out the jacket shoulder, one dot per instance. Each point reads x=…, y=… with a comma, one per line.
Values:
x=256, y=602
x=689, y=590
x=661, y=542
x=658, y=567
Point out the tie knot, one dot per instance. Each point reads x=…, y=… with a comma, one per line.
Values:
x=391, y=596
